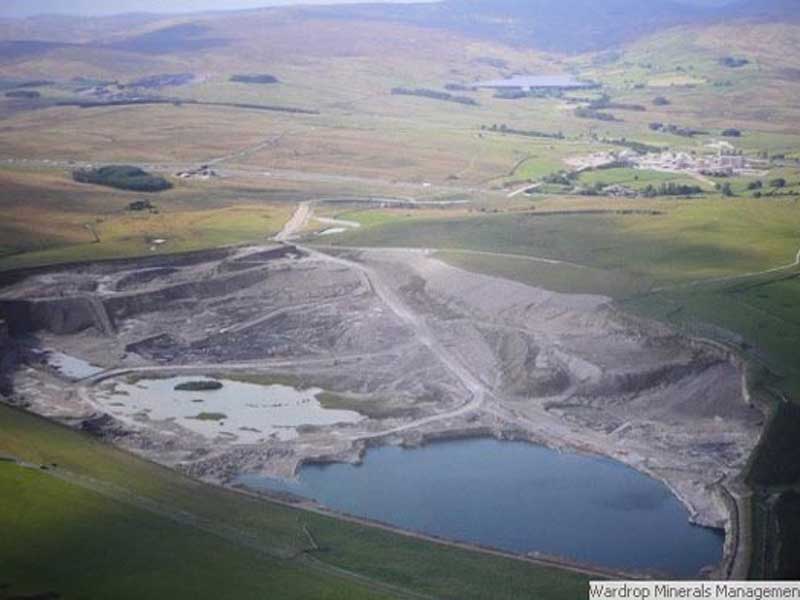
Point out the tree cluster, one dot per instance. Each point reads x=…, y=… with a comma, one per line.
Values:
x=671, y=189
x=676, y=129
x=503, y=128
x=590, y=113
x=264, y=78
x=435, y=94
x=122, y=177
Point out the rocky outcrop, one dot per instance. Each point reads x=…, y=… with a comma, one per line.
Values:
x=8, y=278
x=56, y=315
x=126, y=305
x=72, y=314
x=8, y=359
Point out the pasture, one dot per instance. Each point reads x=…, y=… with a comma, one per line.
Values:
x=152, y=526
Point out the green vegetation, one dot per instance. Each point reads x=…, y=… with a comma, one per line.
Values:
x=154, y=533
x=605, y=103
x=374, y=408
x=558, y=278
x=23, y=94
x=260, y=79
x=64, y=539
x=777, y=463
x=371, y=218
x=787, y=516
x=676, y=129
x=733, y=62
x=676, y=189
x=503, y=128
x=597, y=115
x=689, y=240
x=636, y=179
x=436, y=95
x=209, y=416
x=778, y=182
x=59, y=226
x=617, y=179
x=198, y=386
x=565, y=178
x=639, y=147
x=140, y=205
x=122, y=177
x=132, y=235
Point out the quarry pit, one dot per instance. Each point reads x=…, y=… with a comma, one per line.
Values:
x=394, y=346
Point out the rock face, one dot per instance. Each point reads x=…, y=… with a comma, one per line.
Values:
x=8, y=359
x=59, y=315
x=96, y=295
x=122, y=306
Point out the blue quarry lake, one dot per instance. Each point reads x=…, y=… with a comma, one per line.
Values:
x=519, y=497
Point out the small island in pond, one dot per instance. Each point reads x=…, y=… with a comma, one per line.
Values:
x=198, y=386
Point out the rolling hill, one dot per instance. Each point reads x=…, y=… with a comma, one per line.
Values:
x=570, y=26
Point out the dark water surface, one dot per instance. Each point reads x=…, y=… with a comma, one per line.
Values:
x=519, y=497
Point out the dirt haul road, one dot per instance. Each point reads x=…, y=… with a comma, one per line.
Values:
x=296, y=223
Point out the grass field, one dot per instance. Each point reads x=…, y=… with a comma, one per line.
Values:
x=64, y=539
x=154, y=534
x=688, y=240
x=49, y=219
x=558, y=278
x=636, y=179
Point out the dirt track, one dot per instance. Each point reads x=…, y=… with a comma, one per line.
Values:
x=296, y=223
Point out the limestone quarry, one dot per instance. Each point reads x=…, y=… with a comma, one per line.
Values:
x=385, y=346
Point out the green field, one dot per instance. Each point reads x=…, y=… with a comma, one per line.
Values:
x=636, y=179
x=686, y=241
x=50, y=219
x=106, y=524
x=558, y=278
x=62, y=538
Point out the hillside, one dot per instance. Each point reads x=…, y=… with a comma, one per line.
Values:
x=570, y=26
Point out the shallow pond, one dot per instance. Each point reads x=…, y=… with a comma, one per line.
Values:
x=518, y=497
x=240, y=412
x=70, y=366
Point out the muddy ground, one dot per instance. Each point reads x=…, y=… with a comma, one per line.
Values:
x=421, y=349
